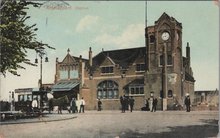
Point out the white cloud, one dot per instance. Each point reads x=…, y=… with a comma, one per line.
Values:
x=133, y=35
x=86, y=23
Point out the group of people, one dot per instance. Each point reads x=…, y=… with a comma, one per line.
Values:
x=75, y=105
x=151, y=104
x=126, y=102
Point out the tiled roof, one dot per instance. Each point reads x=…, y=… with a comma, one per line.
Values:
x=122, y=57
x=77, y=59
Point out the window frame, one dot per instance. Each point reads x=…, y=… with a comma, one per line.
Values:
x=107, y=91
x=140, y=67
x=136, y=90
x=107, y=70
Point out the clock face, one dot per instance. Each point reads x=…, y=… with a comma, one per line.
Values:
x=165, y=36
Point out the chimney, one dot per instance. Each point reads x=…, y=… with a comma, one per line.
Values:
x=188, y=51
x=80, y=58
x=90, y=56
x=188, y=56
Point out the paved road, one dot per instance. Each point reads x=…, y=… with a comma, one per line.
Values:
x=113, y=124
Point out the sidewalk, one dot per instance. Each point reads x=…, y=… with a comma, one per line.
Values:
x=54, y=116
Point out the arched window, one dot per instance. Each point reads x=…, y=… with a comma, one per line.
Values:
x=107, y=90
x=170, y=93
x=152, y=38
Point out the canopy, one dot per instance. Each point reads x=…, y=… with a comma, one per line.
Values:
x=64, y=86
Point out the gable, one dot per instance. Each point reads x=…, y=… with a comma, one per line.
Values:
x=68, y=59
x=107, y=61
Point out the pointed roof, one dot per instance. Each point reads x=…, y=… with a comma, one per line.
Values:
x=165, y=16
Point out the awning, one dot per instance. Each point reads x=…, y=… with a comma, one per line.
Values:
x=64, y=86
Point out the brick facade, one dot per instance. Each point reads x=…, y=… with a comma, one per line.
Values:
x=136, y=72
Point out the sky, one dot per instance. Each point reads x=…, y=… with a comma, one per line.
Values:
x=113, y=25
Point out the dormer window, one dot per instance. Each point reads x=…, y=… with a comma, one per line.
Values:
x=107, y=69
x=140, y=67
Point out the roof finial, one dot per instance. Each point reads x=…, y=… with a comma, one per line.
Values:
x=68, y=50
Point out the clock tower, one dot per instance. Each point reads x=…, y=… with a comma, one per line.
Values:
x=164, y=55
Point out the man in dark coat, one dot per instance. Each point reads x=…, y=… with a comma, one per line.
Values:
x=123, y=103
x=73, y=105
x=187, y=103
x=99, y=105
x=154, y=108
x=131, y=103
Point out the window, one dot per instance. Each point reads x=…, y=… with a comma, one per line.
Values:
x=136, y=90
x=106, y=70
x=161, y=60
x=140, y=67
x=170, y=93
x=107, y=90
x=74, y=74
x=169, y=60
x=152, y=39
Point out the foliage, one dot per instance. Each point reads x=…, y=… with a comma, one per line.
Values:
x=17, y=38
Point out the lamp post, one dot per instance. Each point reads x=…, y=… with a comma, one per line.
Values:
x=41, y=54
x=165, y=36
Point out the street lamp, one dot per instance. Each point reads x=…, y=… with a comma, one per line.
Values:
x=165, y=36
x=41, y=54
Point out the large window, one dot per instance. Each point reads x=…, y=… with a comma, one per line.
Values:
x=140, y=67
x=107, y=90
x=108, y=69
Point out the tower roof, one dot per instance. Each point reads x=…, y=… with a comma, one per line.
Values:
x=165, y=16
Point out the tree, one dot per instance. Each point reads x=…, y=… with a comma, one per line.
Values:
x=17, y=38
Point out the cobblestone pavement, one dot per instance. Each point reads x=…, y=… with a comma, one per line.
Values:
x=114, y=124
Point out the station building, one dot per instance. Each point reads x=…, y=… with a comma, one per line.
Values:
x=140, y=72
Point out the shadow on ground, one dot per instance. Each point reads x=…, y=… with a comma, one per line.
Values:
x=210, y=129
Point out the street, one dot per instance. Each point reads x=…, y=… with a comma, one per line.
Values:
x=114, y=124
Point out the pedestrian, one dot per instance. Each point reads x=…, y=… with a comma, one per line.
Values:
x=99, y=105
x=187, y=103
x=131, y=103
x=121, y=101
x=154, y=108
x=73, y=105
x=147, y=104
x=28, y=102
x=34, y=105
x=82, y=105
x=150, y=104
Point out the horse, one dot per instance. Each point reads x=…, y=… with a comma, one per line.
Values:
x=60, y=102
